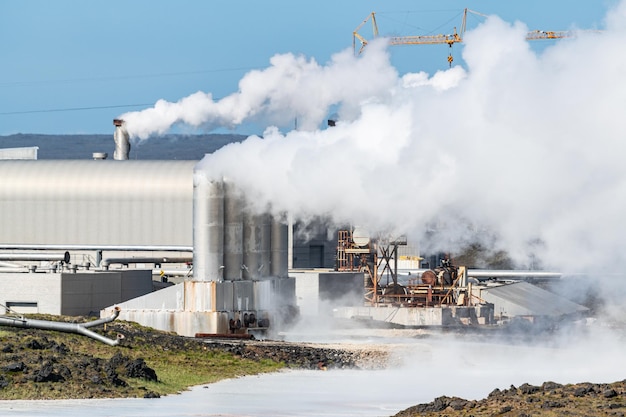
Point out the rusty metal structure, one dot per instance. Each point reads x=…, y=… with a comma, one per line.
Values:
x=444, y=285
x=445, y=295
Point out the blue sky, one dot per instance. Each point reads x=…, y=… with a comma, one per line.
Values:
x=106, y=58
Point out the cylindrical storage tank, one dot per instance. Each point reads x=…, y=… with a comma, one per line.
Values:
x=208, y=227
x=280, y=249
x=256, y=245
x=233, y=232
x=266, y=245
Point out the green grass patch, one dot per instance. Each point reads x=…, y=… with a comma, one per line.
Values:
x=82, y=362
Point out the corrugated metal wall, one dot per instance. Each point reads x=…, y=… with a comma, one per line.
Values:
x=76, y=202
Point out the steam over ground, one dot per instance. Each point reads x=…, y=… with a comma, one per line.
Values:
x=521, y=150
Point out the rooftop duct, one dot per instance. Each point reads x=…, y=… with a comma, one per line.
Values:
x=122, y=141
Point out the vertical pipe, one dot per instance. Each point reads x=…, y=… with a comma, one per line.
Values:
x=279, y=245
x=208, y=228
x=233, y=232
x=122, y=141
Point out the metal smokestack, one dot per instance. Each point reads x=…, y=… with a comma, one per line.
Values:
x=122, y=141
x=208, y=228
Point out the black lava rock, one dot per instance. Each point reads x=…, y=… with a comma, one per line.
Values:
x=139, y=369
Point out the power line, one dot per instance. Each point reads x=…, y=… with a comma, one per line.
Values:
x=123, y=77
x=74, y=109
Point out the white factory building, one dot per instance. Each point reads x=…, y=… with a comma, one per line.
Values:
x=172, y=248
x=79, y=237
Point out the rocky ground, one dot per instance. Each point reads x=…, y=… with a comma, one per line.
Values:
x=307, y=355
x=549, y=399
x=37, y=358
x=40, y=364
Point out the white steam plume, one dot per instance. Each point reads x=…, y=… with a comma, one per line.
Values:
x=291, y=87
x=527, y=146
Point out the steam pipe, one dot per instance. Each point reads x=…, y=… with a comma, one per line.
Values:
x=104, y=320
x=78, y=328
x=176, y=272
x=12, y=270
x=485, y=273
x=9, y=265
x=153, y=260
x=64, y=257
x=29, y=268
x=154, y=248
x=503, y=273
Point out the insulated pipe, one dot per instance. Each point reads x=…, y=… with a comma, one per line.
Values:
x=152, y=248
x=9, y=265
x=163, y=260
x=506, y=273
x=208, y=227
x=64, y=257
x=174, y=272
x=103, y=320
x=12, y=270
x=79, y=328
x=29, y=269
x=233, y=232
x=486, y=273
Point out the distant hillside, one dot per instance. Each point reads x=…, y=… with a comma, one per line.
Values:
x=181, y=147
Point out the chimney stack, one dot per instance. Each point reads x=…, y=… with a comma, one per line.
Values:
x=122, y=141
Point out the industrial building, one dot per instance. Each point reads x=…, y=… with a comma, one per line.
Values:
x=101, y=236
x=121, y=223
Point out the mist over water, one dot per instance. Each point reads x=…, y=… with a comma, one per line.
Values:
x=517, y=149
x=469, y=367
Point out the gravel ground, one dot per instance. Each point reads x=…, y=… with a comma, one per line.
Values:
x=308, y=355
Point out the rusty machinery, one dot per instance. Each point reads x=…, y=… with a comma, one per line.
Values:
x=376, y=258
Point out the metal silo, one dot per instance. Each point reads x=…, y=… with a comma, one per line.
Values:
x=233, y=232
x=256, y=245
x=266, y=244
x=280, y=248
x=208, y=227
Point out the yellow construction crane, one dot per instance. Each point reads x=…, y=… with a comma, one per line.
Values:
x=451, y=39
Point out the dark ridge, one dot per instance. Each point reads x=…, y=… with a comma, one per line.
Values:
x=173, y=146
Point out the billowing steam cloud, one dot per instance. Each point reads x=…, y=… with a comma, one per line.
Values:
x=521, y=147
x=291, y=88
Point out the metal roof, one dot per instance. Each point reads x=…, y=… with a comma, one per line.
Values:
x=96, y=202
x=28, y=153
x=99, y=179
x=524, y=299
